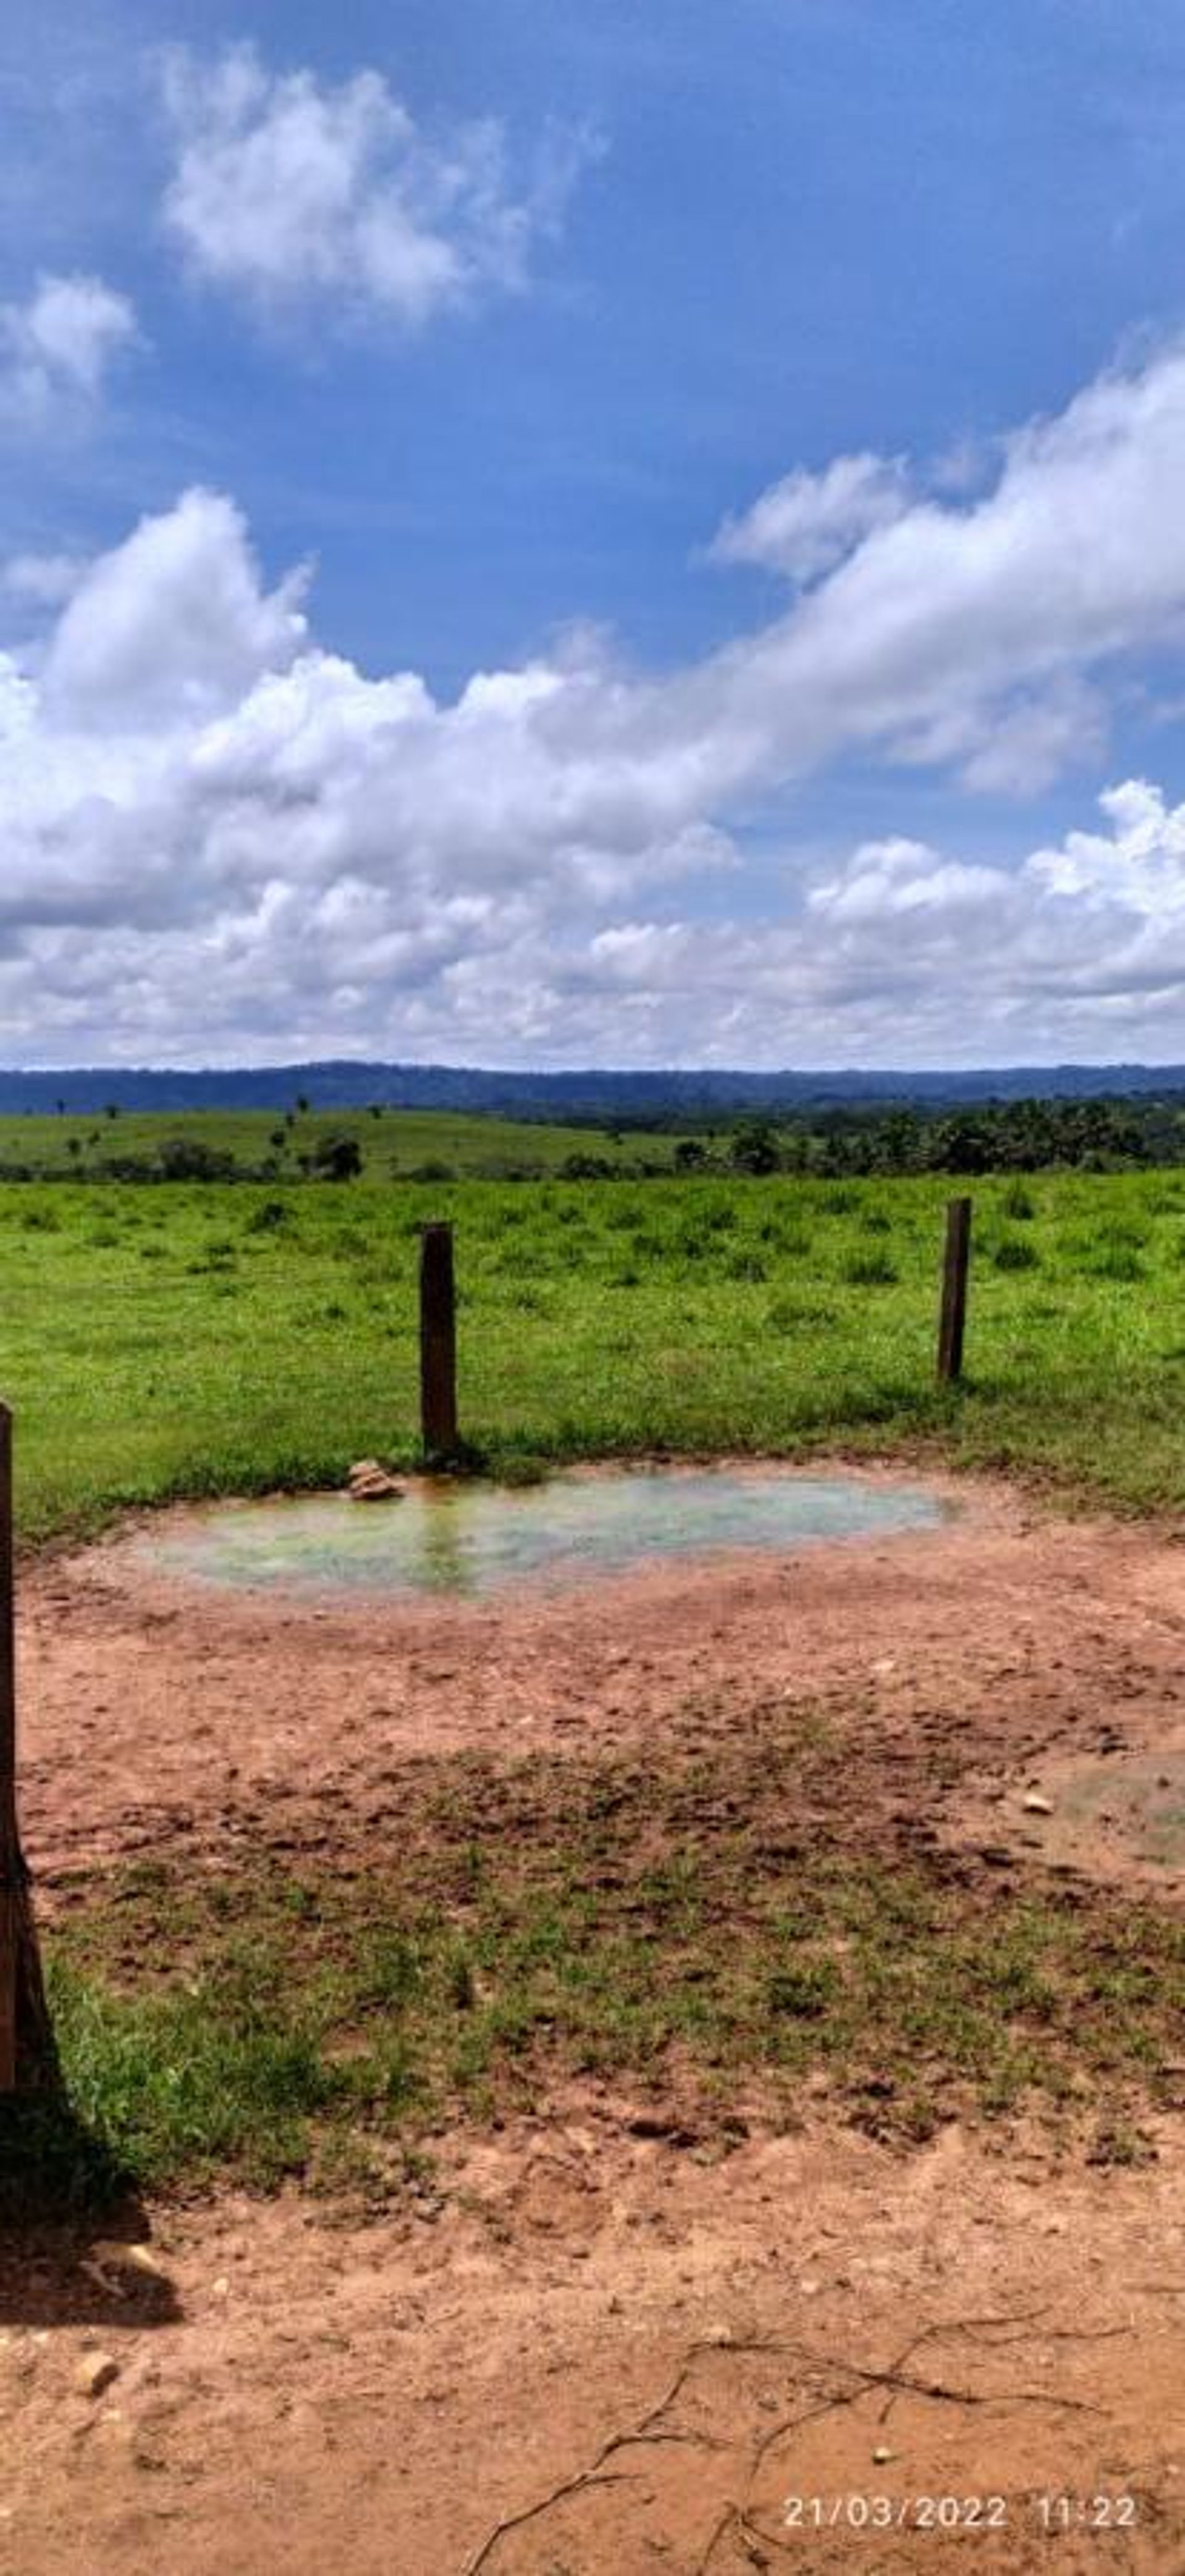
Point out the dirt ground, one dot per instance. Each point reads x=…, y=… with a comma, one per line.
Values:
x=826, y=2350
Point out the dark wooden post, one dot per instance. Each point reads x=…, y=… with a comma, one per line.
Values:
x=438, y=1343
x=954, y=1289
x=26, y=2040
x=11, y=1865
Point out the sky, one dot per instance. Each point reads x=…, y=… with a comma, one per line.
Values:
x=535, y=534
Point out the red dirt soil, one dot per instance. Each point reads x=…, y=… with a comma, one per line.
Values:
x=304, y=2395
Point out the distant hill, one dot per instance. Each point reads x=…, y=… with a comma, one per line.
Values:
x=591, y=1097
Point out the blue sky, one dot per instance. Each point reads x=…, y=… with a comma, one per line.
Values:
x=499, y=321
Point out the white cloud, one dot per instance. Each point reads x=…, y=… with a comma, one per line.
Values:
x=44, y=581
x=951, y=622
x=172, y=625
x=220, y=839
x=808, y=522
x=56, y=349
x=290, y=191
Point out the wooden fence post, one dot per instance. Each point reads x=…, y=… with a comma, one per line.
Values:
x=438, y=1343
x=27, y=2053
x=956, y=1260
x=11, y=1865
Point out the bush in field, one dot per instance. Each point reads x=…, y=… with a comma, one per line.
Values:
x=336, y=1158
x=754, y=1149
x=186, y=1158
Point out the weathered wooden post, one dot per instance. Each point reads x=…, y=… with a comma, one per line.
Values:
x=26, y=2043
x=11, y=1863
x=953, y=1319
x=438, y=1343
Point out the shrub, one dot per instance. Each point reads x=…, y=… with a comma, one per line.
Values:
x=754, y=1149
x=336, y=1158
x=186, y=1158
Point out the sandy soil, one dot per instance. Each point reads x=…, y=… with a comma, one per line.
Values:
x=297, y=2395
x=155, y=1711
x=851, y=2325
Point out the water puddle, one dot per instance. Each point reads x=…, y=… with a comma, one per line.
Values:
x=1133, y=1802
x=474, y=1539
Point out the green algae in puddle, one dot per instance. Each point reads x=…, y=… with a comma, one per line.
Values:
x=472, y=1539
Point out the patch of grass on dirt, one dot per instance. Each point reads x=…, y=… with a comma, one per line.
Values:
x=695, y=1933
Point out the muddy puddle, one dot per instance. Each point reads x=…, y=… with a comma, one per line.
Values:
x=473, y=1540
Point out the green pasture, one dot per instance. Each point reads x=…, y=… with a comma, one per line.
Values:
x=394, y=1143
x=167, y=1340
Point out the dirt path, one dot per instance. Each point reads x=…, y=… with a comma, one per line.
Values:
x=377, y=2400
x=963, y=2322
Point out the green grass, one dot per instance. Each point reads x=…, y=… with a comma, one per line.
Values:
x=167, y=1341
x=393, y=1144
x=650, y=1922
x=162, y=1341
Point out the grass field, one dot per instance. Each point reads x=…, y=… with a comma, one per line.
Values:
x=394, y=1143
x=168, y=1340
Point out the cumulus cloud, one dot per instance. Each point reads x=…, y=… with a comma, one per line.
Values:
x=56, y=349
x=954, y=631
x=173, y=624
x=222, y=839
x=808, y=522
x=288, y=190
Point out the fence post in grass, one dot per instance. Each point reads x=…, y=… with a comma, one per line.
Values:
x=10, y=1861
x=26, y=2042
x=956, y=1260
x=438, y=1343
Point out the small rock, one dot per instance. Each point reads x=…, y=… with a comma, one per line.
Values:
x=95, y=2372
x=882, y=2453
x=1035, y=1805
x=220, y=2289
x=144, y=2260
x=368, y=1482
